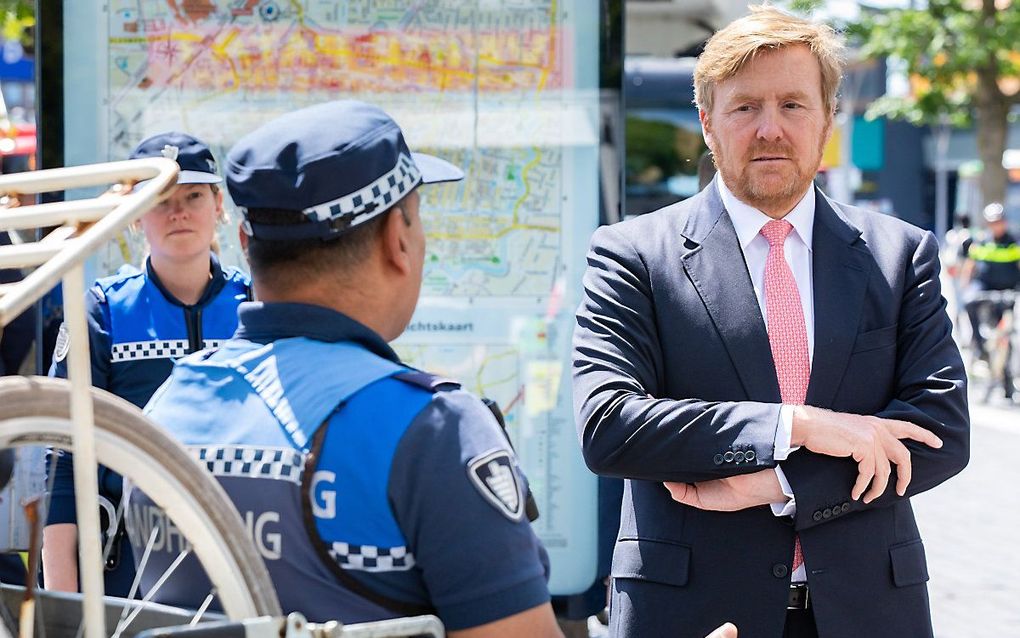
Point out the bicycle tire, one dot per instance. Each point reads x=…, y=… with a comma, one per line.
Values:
x=36, y=411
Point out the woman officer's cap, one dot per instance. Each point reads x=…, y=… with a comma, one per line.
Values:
x=195, y=159
x=340, y=163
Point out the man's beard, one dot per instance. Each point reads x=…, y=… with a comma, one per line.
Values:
x=761, y=192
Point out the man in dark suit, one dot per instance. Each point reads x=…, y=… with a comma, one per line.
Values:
x=772, y=372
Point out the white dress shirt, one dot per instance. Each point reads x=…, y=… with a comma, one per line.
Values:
x=748, y=222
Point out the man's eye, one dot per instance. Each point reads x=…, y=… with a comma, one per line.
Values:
x=792, y=105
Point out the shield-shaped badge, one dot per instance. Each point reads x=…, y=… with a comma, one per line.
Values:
x=495, y=477
x=63, y=344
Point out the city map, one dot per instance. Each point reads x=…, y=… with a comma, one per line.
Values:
x=506, y=89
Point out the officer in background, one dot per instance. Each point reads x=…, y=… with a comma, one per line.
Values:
x=372, y=490
x=992, y=264
x=139, y=321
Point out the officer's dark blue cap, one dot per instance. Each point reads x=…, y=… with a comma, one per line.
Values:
x=340, y=163
x=198, y=166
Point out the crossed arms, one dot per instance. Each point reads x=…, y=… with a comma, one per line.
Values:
x=915, y=442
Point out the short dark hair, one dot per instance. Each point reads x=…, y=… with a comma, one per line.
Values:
x=290, y=262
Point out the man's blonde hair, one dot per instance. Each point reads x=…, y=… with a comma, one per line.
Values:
x=768, y=29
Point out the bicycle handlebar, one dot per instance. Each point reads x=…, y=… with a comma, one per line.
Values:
x=84, y=225
x=1008, y=296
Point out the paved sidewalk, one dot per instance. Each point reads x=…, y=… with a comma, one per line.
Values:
x=971, y=527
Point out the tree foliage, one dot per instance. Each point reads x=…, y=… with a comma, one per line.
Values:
x=18, y=18
x=964, y=67
x=963, y=61
x=961, y=57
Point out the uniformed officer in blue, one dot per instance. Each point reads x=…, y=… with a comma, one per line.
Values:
x=139, y=322
x=372, y=490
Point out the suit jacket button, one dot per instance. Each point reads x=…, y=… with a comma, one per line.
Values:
x=717, y=459
x=728, y=456
x=846, y=507
x=749, y=456
x=827, y=512
x=780, y=570
x=817, y=515
x=739, y=457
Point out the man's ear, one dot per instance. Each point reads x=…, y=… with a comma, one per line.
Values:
x=242, y=238
x=395, y=241
x=828, y=128
x=706, y=127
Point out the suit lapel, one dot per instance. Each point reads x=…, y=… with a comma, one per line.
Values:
x=841, y=266
x=716, y=267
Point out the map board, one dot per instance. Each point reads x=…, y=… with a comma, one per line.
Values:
x=507, y=89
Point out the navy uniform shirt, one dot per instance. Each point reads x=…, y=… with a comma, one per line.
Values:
x=996, y=263
x=395, y=502
x=136, y=330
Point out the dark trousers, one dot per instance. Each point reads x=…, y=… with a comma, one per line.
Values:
x=800, y=624
x=974, y=306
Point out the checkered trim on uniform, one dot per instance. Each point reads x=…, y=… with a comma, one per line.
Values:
x=282, y=464
x=368, y=558
x=165, y=349
x=376, y=197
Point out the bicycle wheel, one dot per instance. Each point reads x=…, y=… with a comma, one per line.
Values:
x=36, y=411
x=1011, y=378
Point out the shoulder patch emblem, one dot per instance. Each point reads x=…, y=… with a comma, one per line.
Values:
x=495, y=478
x=63, y=344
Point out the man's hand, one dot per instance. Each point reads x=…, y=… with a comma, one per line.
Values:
x=873, y=442
x=729, y=630
x=730, y=494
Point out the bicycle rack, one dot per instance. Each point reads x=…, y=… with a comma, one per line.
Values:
x=294, y=625
x=82, y=227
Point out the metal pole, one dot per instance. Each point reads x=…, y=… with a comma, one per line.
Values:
x=86, y=482
x=941, y=180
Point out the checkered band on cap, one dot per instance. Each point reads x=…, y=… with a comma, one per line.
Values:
x=369, y=558
x=281, y=464
x=378, y=196
x=158, y=349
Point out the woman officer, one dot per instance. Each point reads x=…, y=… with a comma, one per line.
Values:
x=139, y=322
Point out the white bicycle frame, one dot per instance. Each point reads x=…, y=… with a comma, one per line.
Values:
x=83, y=227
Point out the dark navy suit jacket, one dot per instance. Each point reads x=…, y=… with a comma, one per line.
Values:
x=674, y=381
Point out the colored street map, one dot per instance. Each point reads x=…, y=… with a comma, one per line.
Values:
x=505, y=89
x=218, y=68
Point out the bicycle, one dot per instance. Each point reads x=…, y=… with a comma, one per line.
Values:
x=1002, y=343
x=102, y=428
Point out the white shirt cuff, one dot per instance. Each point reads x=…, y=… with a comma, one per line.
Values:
x=789, y=508
x=782, y=450
x=784, y=434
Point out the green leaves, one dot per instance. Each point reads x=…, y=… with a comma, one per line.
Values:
x=18, y=18
x=962, y=62
x=952, y=51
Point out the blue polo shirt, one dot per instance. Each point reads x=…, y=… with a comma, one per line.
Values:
x=137, y=328
x=414, y=490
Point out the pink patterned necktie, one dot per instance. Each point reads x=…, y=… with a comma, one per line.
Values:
x=786, y=328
